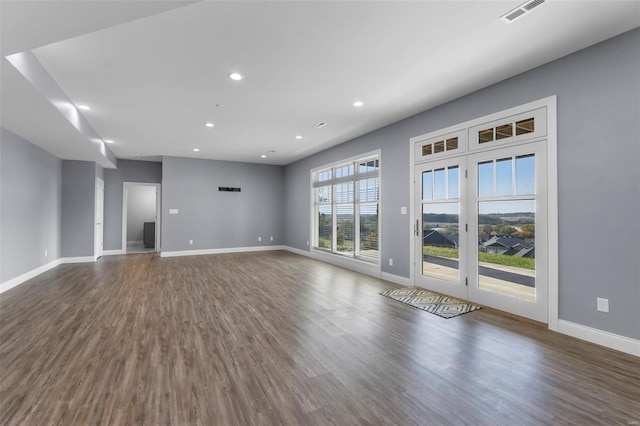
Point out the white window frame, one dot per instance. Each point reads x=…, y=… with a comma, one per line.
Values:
x=312, y=186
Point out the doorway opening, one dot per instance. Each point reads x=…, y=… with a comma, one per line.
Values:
x=141, y=217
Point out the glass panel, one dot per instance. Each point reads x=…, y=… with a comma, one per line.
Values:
x=525, y=126
x=504, y=170
x=323, y=194
x=440, y=237
x=323, y=175
x=485, y=135
x=485, y=179
x=438, y=147
x=525, y=174
x=506, y=248
x=325, y=226
x=344, y=228
x=369, y=189
x=426, y=149
x=454, y=182
x=369, y=231
x=504, y=131
x=344, y=192
x=439, y=185
x=452, y=144
x=427, y=185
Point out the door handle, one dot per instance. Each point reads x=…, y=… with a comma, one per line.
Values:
x=416, y=230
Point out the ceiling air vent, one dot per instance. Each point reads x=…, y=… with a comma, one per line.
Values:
x=520, y=11
x=320, y=124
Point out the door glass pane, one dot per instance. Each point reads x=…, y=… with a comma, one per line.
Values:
x=439, y=185
x=454, y=182
x=525, y=174
x=427, y=185
x=506, y=248
x=440, y=240
x=325, y=226
x=344, y=228
x=504, y=168
x=369, y=231
x=485, y=179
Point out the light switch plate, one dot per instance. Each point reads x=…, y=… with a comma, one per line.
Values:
x=173, y=211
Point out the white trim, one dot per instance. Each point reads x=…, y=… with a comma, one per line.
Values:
x=113, y=252
x=352, y=264
x=552, y=213
x=599, y=337
x=28, y=275
x=97, y=249
x=13, y=282
x=219, y=251
x=80, y=259
x=396, y=279
x=365, y=156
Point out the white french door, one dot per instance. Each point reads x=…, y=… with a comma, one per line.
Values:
x=439, y=228
x=508, y=218
x=481, y=228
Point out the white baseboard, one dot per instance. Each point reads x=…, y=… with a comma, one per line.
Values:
x=354, y=265
x=82, y=259
x=405, y=281
x=600, y=337
x=112, y=252
x=28, y=275
x=39, y=270
x=219, y=251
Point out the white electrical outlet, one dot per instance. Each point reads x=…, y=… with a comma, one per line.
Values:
x=46, y=253
x=271, y=238
x=307, y=242
x=259, y=238
x=403, y=210
x=190, y=242
x=602, y=304
x=390, y=262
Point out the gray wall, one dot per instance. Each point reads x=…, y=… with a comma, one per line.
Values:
x=220, y=219
x=598, y=92
x=30, y=190
x=78, y=208
x=127, y=171
x=141, y=208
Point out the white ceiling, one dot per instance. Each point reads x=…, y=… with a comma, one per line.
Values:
x=153, y=72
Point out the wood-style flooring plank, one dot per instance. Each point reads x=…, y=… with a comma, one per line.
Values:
x=272, y=338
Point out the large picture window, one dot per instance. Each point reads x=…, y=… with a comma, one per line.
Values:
x=346, y=205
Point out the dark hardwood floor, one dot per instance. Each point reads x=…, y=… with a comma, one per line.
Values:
x=276, y=338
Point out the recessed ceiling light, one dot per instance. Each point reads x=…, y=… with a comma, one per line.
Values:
x=298, y=137
x=196, y=150
x=209, y=124
x=236, y=76
x=108, y=141
x=84, y=107
x=263, y=156
x=358, y=104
